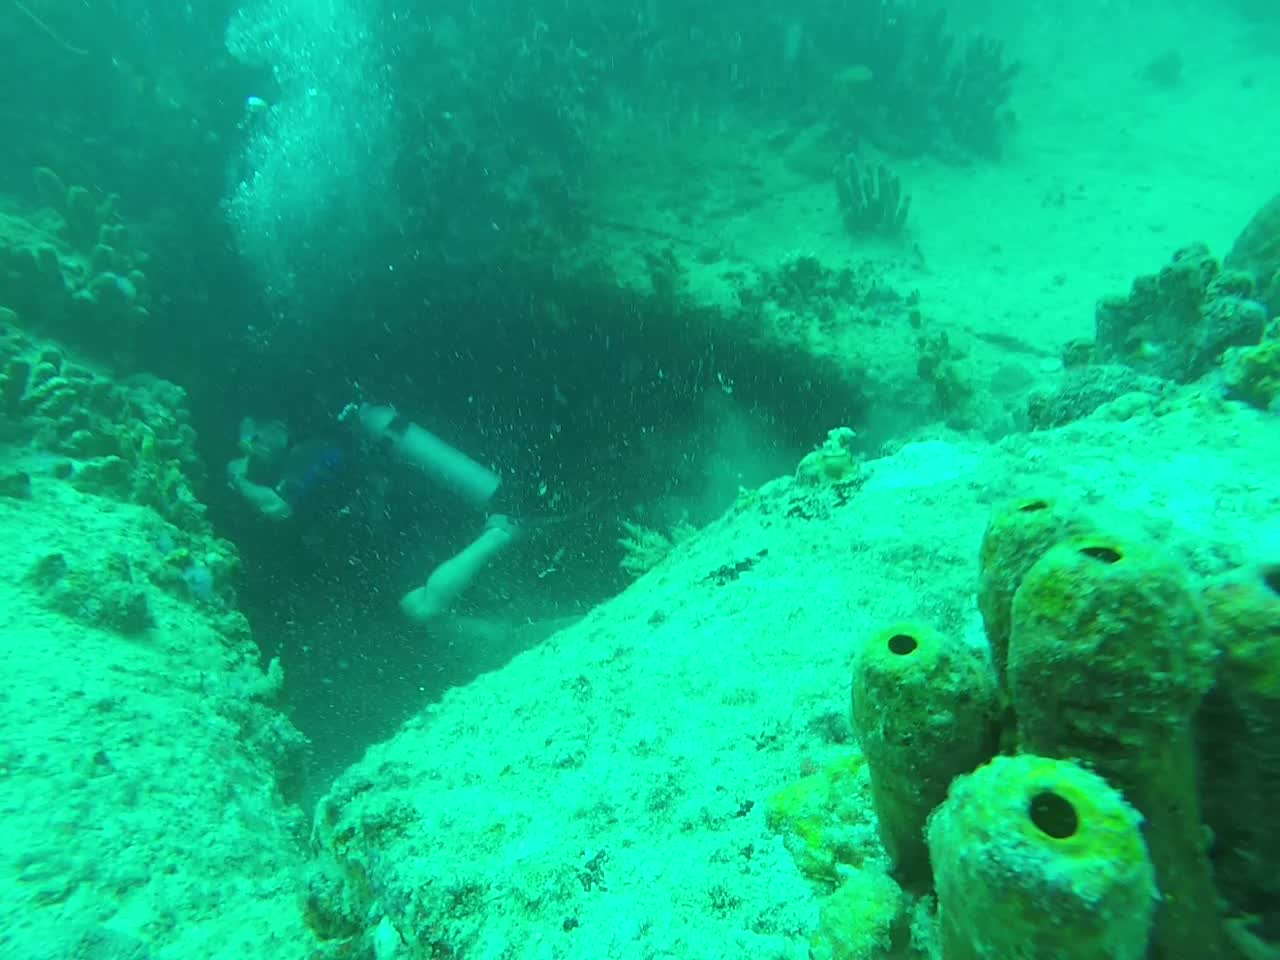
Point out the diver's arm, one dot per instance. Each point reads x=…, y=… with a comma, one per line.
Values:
x=263, y=499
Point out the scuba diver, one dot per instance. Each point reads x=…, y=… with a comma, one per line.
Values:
x=276, y=479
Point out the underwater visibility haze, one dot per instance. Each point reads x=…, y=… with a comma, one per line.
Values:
x=569, y=479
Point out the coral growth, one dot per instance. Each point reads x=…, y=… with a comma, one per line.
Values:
x=835, y=462
x=865, y=918
x=1252, y=374
x=939, y=363
x=643, y=548
x=871, y=199
x=1083, y=389
x=924, y=90
x=72, y=268
x=130, y=441
x=1177, y=323
x=817, y=817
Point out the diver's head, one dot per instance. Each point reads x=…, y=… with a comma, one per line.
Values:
x=265, y=444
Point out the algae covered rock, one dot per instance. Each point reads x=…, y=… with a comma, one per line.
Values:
x=865, y=918
x=1037, y=857
x=105, y=596
x=820, y=819
x=1084, y=389
x=1257, y=252
x=1252, y=374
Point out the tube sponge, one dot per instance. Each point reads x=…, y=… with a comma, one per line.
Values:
x=1035, y=857
x=925, y=711
x=1017, y=535
x=1239, y=731
x=1108, y=661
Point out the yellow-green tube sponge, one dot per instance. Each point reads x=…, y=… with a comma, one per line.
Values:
x=1017, y=535
x=1239, y=733
x=925, y=708
x=1108, y=661
x=1036, y=858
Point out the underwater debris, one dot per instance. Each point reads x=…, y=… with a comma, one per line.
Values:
x=1164, y=71
x=48, y=31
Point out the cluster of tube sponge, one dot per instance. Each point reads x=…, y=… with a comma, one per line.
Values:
x=1096, y=785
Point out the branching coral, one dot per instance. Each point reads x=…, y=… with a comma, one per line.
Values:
x=871, y=198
